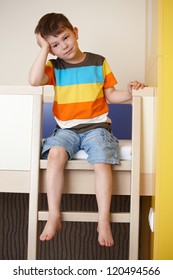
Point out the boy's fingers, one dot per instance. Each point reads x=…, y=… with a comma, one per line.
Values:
x=137, y=85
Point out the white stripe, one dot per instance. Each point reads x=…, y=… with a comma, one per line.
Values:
x=72, y=123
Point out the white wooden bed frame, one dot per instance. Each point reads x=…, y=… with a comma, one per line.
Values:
x=22, y=171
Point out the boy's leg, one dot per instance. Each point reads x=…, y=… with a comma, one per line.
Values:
x=62, y=144
x=102, y=149
x=57, y=159
x=103, y=173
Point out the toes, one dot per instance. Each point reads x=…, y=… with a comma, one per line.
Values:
x=106, y=243
x=105, y=235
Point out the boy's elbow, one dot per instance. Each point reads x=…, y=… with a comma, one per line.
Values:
x=33, y=82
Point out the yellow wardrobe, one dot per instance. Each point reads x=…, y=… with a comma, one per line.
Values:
x=162, y=246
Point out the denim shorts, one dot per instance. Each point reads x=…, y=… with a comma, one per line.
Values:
x=100, y=144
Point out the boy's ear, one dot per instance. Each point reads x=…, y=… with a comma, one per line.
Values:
x=75, y=31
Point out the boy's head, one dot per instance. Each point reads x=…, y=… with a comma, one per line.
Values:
x=52, y=24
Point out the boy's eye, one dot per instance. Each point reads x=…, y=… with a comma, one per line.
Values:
x=66, y=37
x=54, y=46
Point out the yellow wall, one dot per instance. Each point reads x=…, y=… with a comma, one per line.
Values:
x=163, y=233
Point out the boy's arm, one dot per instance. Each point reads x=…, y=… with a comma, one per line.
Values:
x=37, y=76
x=117, y=96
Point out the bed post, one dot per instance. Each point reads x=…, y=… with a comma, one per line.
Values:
x=135, y=178
x=34, y=181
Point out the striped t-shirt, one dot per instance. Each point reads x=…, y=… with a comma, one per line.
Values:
x=79, y=90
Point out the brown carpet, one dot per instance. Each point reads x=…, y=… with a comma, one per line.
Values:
x=76, y=241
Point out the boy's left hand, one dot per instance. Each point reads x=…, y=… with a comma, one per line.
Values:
x=135, y=85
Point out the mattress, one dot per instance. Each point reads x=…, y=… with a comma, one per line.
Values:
x=125, y=152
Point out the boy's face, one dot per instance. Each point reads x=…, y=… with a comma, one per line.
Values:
x=64, y=45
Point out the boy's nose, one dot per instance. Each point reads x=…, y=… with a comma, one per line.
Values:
x=64, y=46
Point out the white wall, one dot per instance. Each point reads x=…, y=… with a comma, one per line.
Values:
x=113, y=28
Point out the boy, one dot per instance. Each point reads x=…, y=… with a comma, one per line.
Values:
x=83, y=84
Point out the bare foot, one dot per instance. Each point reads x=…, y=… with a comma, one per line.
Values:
x=105, y=235
x=52, y=226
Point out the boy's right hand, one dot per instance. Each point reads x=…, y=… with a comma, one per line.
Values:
x=42, y=42
x=37, y=75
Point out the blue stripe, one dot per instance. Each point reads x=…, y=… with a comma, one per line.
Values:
x=79, y=75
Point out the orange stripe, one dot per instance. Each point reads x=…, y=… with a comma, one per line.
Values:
x=83, y=110
x=110, y=80
x=50, y=73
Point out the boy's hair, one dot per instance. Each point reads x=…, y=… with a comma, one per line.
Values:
x=52, y=24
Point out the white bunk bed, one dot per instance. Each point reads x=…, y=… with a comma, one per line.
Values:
x=22, y=171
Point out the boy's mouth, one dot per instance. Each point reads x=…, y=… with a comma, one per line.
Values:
x=69, y=51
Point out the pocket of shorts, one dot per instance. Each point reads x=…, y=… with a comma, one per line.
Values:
x=109, y=137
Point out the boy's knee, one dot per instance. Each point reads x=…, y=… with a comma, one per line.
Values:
x=58, y=154
x=101, y=168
